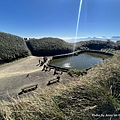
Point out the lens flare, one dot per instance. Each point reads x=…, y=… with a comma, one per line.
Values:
x=76, y=34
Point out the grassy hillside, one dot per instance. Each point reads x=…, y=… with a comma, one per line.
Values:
x=12, y=47
x=97, y=93
x=118, y=44
x=48, y=46
x=97, y=45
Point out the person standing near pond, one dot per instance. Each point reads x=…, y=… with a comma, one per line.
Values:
x=44, y=67
x=58, y=77
x=44, y=59
x=54, y=71
x=39, y=61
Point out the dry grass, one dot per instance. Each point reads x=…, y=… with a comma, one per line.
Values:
x=75, y=100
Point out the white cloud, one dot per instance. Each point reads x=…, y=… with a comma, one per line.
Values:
x=79, y=38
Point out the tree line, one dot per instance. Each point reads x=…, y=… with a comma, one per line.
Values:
x=13, y=47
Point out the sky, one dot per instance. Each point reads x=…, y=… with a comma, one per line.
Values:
x=58, y=18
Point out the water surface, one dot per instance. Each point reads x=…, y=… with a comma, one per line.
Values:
x=82, y=61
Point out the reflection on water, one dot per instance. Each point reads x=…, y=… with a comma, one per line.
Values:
x=67, y=65
x=82, y=61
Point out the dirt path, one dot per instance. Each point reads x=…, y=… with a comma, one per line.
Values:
x=24, y=72
x=23, y=66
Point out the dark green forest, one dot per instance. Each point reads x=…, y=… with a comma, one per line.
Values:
x=98, y=45
x=12, y=47
x=48, y=46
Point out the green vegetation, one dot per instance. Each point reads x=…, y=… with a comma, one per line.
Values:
x=48, y=46
x=74, y=72
x=97, y=92
x=12, y=47
x=118, y=44
x=54, y=46
x=97, y=45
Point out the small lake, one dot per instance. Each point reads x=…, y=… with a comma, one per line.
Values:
x=82, y=61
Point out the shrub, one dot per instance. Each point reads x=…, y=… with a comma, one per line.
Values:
x=48, y=46
x=73, y=72
x=12, y=47
x=97, y=45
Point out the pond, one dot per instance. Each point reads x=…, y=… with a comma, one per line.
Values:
x=82, y=61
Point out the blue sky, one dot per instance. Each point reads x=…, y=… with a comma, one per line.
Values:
x=58, y=18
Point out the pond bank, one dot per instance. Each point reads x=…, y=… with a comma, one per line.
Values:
x=90, y=57
x=79, y=52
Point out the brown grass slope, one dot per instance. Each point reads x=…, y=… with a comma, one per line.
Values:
x=98, y=92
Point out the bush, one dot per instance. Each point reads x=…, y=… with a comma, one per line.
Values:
x=48, y=46
x=12, y=47
x=97, y=45
x=75, y=72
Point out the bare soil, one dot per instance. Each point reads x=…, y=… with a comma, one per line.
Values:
x=24, y=72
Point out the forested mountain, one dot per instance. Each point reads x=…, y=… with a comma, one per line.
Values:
x=12, y=47
x=48, y=46
x=97, y=45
